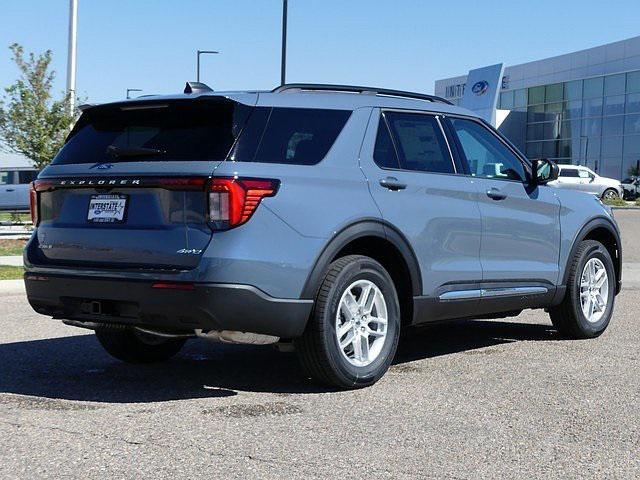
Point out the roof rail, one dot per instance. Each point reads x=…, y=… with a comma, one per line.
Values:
x=358, y=89
x=197, y=87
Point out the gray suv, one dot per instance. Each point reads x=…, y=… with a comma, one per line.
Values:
x=325, y=217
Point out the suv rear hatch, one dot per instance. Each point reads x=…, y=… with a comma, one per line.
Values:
x=129, y=189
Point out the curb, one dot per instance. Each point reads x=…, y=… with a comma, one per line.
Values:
x=12, y=287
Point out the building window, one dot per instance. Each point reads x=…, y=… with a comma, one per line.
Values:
x=633, y=103
x=614, y=84
x=592, y=107
x=614, y=105
x=633, y=82
x=554, y=93
x=520, y=98
x=611, y=147
x=591, y=126
x=536, y=95
x=632, y=124
x=573, y=90
x=593, y=88
x=613, y=126
x=506, y=100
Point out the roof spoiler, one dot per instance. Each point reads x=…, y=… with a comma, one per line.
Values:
x=86, y=106
x=197, y=87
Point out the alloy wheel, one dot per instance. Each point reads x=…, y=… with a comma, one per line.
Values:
x=361, y=323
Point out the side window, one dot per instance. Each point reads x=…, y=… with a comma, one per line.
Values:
x=568, y=172
x=4, y=178
x=584, y=174
x=486, y=155
x=384, y=153
x=295, y=136
x=26, y=176
x=420, y=143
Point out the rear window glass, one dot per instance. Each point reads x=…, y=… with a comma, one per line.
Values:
x=296, y=136
x=203, y=129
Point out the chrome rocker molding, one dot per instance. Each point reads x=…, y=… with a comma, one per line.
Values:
x=491, y=293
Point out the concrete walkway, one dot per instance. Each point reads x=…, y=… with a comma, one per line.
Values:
x=11, y=260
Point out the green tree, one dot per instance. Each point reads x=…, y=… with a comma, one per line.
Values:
x=634, y=171
x=31, y=121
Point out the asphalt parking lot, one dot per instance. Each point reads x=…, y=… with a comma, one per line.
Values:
x=483, y=399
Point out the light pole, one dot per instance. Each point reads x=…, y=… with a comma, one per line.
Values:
x=283, y=58
x=200, y=52
x=71, y=55
x=129, y=90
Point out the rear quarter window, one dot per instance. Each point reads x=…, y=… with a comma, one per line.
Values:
x=294, y=136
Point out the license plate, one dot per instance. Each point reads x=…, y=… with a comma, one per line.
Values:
x=107, y=208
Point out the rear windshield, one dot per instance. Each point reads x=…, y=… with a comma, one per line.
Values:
x=203, y=129
x=295, y=136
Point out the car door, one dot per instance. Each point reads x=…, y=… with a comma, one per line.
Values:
x=568, y=178
x=7, y=190
x=421, y=193
x=520, y=225
x=588, y=182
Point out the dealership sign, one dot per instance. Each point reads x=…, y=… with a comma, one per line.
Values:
x=482, y=97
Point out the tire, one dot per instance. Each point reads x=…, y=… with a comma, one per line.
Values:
x=132, y=347
x=569, y=317
x=318, y=348
x=610, y=194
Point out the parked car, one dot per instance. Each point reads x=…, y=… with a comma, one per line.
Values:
x=577, y=177
x=328, y=218
x=631, y=188
x=14, y=188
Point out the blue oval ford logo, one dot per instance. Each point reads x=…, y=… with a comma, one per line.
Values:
x=480, y=88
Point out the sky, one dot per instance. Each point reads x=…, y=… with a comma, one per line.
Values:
x=401, y=44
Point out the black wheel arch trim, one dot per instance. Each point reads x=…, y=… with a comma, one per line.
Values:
x=363, y=228
x=591, y=225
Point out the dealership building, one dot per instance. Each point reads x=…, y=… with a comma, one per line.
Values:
x=581, y=108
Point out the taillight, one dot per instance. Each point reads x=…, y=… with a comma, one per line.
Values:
x=33, y=204
x=232, y=201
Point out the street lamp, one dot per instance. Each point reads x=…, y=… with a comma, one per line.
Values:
x=283, y=58
x=201, y=52
x=129, y=90
x=71, y=55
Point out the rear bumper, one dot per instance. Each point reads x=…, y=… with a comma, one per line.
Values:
x=208, y=306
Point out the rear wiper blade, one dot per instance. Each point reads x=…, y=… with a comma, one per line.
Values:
x=133, y=152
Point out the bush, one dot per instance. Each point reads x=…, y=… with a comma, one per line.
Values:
x=637, y=202
x=616, y=202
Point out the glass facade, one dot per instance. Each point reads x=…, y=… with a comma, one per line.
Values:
x=593, y=122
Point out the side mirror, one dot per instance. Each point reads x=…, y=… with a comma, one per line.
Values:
x=544, y=171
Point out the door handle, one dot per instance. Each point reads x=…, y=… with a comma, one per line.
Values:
x=496, y=194
x=392, y=183
x=10, y=190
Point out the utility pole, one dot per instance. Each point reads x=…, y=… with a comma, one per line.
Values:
x=71, y=55
x=283, y=58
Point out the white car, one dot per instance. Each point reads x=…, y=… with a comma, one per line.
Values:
x=14, y=187
x=582, y=178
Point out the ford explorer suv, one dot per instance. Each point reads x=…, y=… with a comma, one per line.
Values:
x=327, y=218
